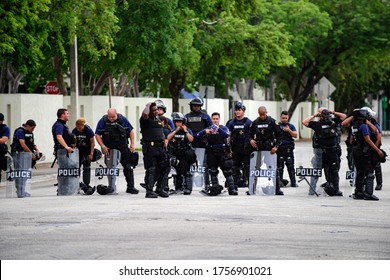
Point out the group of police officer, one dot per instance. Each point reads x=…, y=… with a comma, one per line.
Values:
x=172, y=143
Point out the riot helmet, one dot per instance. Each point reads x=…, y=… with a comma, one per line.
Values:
x=360, y=114
x=177, y=116
x=134, y=158
x=370, y=113
x=97, y=154
x=103, y=189
x=196, y=101
x=326, y=116
x=239, y=105
x=160, y=104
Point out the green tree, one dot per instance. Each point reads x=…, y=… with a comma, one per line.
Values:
x=357, y=29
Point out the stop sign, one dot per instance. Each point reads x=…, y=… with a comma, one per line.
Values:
x=51, y=87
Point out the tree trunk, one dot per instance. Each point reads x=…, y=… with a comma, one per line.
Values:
x=176, y=83
x=14, y=79
x=98, y=87
x=60, y=75
x=3, y=75
x=122, y=85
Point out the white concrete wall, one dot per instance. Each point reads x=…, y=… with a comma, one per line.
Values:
x=18, y=108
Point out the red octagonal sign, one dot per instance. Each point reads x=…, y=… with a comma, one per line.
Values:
x=51, y=87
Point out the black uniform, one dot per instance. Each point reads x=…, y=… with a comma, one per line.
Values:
x=241, y=149
x=365, y=159
x=115, y=135
x=60, y=128
x=326, y=131
x=83, y=143
x=219, y=156
x=197, y=122
x=286, y=154
x=4, y=131
x=180, y=148
x=156, y=159
x=28, y=137
x=267, y=135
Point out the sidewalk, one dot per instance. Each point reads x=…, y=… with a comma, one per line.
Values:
x=124, y=226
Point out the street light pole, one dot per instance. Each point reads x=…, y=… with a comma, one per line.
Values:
x=74, y=92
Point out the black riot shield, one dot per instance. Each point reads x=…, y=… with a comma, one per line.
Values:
x=262, y=173
x=19, y=175
x=68, y=172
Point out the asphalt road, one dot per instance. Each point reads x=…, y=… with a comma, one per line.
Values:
x=196, y=227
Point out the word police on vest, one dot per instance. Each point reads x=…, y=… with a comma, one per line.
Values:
x=310, y=172
x=19, y=174
x=262, y=173
x=350, y=175
x=199, y=169
x=68, y=172
x=106, y=171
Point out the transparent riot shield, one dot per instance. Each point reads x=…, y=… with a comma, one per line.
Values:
x=68, y=172
x=19, y=175
x=198, y=169
x=262, y=173
x=112, y=170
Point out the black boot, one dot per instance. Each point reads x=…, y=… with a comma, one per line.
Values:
x=188, y=184
x=150, y=182
x=230, y=185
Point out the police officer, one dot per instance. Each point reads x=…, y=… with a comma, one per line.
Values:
x=366, y=156
x=376, y=138
x=218, y=155
x=286, y=149
x=162, y=109
x=179, y=146
x=239, y=142
x=63, y=138
x=113, y=132
x=85, y=142
x=198, y=120
x=265, y=135
x=4, y=136
x=23, y=141
x=329, y=141
x=156, y=160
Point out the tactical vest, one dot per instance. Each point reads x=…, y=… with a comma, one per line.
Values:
x=328, y=136
x=3, y=147
x=82, y=143
x=286, y=136
x=358, y=138
x=179, y=141
x=67, y=135
x=28, y=139
x=153, y=131
x=195, y=122
x=215, y=140
x=115, y=132
x=265, y=138
x=238, y=134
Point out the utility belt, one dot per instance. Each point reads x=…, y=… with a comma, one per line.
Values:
x=286, y=148
x=158, y=143
x=218, y=149
x=330, y=149
x=265, y=145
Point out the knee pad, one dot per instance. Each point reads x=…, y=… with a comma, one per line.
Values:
x=227, y=163
x=370, y=175
x=213, y=172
